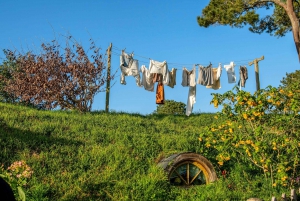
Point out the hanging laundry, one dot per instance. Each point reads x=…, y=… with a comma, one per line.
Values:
x=243, y=76
x=205, y=75
x=230, y=72
x=129, y=67
x=157, y=77
x=160, y=94
x=217, y=72
x=161, y=68
x=188, y=77
x=147, y=79
x=191, y=100
x=172, y=77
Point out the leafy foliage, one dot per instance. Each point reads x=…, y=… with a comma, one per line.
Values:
x=171, y=107
x=241, y=13
x=68, y=81
x=291, y=81
x=6, y=70
x=17, y=175
x=259, y=129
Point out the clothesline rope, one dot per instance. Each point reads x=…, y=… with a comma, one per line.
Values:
x=239, y=62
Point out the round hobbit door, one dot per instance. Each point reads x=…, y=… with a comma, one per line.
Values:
x=187, y=169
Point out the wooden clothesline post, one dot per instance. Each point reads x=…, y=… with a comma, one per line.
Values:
x=255, y=62
x=108, y=78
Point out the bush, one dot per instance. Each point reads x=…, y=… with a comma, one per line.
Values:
x=171, y=107
x=259, y=130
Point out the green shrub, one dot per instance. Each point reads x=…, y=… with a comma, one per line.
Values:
x=260, y=130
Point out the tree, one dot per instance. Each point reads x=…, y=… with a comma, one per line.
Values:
x=171, y=107
x=6, y=70
x=291, y=83
x=56, y=80
x=239, y=13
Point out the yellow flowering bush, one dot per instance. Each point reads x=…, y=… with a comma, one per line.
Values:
x=261, y=129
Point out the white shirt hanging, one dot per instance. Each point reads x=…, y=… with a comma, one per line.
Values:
x=230, y=72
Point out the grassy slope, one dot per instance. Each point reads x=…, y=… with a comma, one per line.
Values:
x=97, y=156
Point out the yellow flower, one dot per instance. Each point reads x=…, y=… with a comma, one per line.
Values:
x=200, y=139
x=216, y=103
x=230, y=130
x=227, y=158
x=240, y=126
x=256, y=114
x=248, y=152
x=288, y=168
x=220, y=163
x=284, y=178
x=245, y=116
x=274, y=148
x=207, y=145
x=274, y=184
x=216, y=117
x=248, y=141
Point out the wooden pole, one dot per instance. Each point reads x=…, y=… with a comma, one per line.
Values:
x=108, y=78
x=255, y=62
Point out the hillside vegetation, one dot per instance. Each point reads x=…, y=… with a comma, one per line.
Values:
x=100, y=156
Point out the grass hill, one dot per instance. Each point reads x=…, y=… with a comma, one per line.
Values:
x=99, y=156
x=95, y=156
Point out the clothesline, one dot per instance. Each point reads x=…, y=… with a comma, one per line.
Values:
x=239, y=62
x=159, y=72
x=179, y=66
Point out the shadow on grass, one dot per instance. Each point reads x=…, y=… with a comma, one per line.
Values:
x=14, y=141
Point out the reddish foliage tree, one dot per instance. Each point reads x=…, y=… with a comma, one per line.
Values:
x=55, y=80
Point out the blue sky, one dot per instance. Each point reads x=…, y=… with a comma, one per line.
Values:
x=160, y=30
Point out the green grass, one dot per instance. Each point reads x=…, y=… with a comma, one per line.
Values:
x=99, y=156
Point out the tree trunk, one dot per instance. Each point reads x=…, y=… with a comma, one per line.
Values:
x=295, y=25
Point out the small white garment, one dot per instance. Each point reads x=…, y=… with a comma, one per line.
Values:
x=188, y=77
x=191, y=100
x=160, y=68
x=129, y=67
x=147, y=79
x=230, y=72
